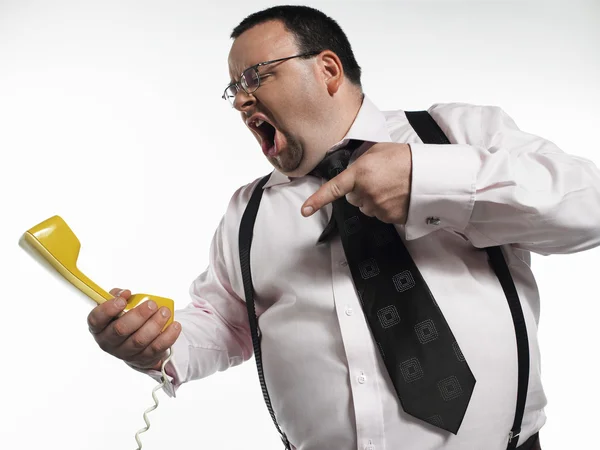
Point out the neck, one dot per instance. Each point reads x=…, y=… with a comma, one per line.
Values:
x=345, y=112
x=350, y=112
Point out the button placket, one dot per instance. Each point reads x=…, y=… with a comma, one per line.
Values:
x=359, y=350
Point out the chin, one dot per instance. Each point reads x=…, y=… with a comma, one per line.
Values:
x=277, y=163
x=290, y=162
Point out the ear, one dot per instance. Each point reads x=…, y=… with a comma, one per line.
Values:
x=331, y=71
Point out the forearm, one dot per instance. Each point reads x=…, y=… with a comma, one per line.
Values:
x=513, y=188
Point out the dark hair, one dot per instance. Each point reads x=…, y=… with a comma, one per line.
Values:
x=313, y=31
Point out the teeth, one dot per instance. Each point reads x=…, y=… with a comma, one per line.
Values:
x=258, y=122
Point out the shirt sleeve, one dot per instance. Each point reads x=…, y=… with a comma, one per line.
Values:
x=215, y=333
x=499, y=185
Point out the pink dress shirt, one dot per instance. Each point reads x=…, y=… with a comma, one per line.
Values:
x=495, y=185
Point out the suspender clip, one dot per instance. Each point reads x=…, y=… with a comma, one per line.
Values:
x=512, y=435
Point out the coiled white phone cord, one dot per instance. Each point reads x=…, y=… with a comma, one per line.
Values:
x=152, y=408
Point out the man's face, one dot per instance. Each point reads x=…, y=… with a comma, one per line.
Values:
x=289, y=101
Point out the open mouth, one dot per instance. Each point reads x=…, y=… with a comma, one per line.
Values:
x=267, y=133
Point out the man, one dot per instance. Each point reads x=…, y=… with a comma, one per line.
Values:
x=300, y=95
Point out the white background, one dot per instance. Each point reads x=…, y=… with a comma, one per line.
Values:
x=111, y=116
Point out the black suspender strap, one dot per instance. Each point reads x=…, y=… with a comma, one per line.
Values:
x=245, y=242
x=502, y=272
x=427, y=128
x=430, y=133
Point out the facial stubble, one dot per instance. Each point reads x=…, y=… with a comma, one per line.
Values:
x=290, y=158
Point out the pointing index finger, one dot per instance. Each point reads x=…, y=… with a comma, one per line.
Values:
x=335, y=188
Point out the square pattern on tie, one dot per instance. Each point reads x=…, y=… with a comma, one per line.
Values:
x=403, y=281
x=450, y=388
x=426, y=331
x=388, y=316
x=411, y=370
x=436, y=420
x=368, y=268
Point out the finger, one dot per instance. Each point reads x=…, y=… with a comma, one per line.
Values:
x=102, y=315
x=156, y=351
x=335, y=188
x=119, y=330
x=148, y=332
x=118, y=292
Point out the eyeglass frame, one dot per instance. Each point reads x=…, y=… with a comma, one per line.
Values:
x=238, y=84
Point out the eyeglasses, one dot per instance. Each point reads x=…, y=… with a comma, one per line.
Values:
x=250, y=78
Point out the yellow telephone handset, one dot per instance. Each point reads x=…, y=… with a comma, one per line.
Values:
x=54, y=241
x=57, y=244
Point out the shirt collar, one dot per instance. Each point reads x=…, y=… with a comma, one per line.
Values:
x=370, y=125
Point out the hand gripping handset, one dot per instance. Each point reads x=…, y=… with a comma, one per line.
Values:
x=55, y=246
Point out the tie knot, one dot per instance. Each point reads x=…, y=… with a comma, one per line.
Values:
x=336, y=162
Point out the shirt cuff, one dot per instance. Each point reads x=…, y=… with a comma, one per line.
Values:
x=442, y=188
x=176, y=368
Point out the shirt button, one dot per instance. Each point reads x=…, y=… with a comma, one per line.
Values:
x=344, y=263
x=433, y=221
x=362, y=379
x=349, y=311
x=370, y=447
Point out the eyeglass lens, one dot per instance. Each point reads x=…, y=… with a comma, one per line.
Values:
x=250, y=81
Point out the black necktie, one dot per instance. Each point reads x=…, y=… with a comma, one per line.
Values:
x=424, y=361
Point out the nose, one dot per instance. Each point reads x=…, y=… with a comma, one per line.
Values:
x=243, y=101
